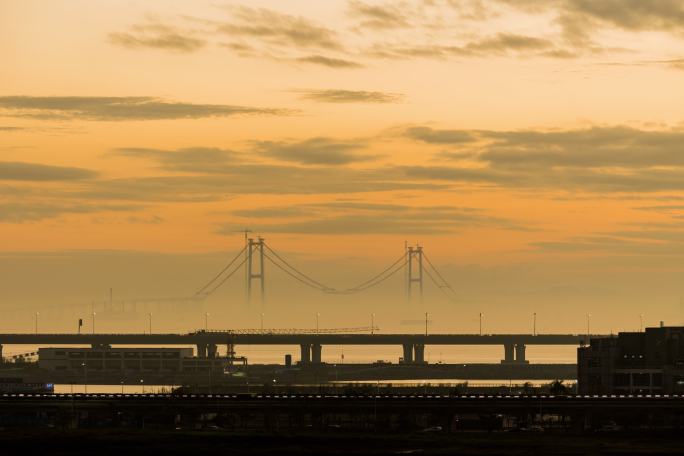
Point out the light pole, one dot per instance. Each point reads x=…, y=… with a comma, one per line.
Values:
x=85, y=378
x=94, y=322
x=142, y=383
x=480, y=323
x=37, y=322
x=122, y=386
x=318, y=316
x=150, y=317
x=534, y=324
x=641, y=322
x=372, y=324
x=261, y=327
x=206, y=322
x=426, y=323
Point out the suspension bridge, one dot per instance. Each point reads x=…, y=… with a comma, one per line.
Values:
x=414, y=263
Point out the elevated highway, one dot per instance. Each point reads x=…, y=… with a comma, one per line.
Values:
x=310, y=344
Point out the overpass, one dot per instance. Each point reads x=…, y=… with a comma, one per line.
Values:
x=413, y=345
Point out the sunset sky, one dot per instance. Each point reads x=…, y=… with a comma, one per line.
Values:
x=535, y=149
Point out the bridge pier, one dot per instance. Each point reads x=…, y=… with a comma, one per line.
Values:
x=520, y=354
x=316, y=354
x=419, y=352
x=509, y=356
x=211, y=350
x=306, y=353
x=201, y=350
x=408, y=353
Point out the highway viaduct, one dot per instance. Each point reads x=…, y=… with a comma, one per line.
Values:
x=310, y=344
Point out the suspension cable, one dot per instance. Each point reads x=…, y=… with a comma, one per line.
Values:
x=297, y=271
x=313, y=285
x=228, y=276
x=201, y=290
x=441, y=287
x=438, y=274
x=370, y=284
x=361, y=285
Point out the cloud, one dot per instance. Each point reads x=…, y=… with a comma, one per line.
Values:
x=119, y=108
x=350, y=96
x=20, y=171
x=157, y=36
x=344, y=217
x=11, y=129
x=435, y=136
x=330, y=62
x=385, y=16
x=503, y=42
x=499, y=44
x=278, y=29
x=246, y=178
x=190, y=159
x=614, y=159
x=315, y=151
x=28, y=211
x=581, y=19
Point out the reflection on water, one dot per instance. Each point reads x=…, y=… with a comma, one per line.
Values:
x=147, y=389
x=113, y=389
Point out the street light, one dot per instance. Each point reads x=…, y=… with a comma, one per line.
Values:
x=85, y=378
x=426, y=323
x=150, y=317
x=37, y=322
x=142, y=382
x=94, y=322
x=206, y=322
x=372, y=324
x=262, y=323
x=318, y=316
x=480, y=323
x=641, y=322
x=534, y=324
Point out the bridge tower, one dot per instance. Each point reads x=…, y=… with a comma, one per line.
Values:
x=414, y=275
x=255, y=257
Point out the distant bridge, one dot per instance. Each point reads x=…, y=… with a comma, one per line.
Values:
x=310, y=344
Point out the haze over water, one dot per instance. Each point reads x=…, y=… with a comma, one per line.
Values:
x=533, y=149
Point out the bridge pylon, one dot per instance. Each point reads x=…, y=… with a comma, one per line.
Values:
x=255, y=267
x=414, y=275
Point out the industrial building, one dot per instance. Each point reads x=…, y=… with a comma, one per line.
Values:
x=648, y=362
x=126, y=359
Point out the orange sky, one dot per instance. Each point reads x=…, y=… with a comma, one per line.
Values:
x=497, y=133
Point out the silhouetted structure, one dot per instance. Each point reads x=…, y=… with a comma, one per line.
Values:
x=649, y=362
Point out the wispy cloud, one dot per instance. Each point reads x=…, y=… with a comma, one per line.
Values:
x=350, y=96
x=278, y=29
x=315, y=151
x=331, y=62
x=348, y=217
x=20, y=171
x=158, y=36
x=120, y=108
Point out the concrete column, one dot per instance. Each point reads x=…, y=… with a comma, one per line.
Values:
x=211, y=350
x=316, y=353
x=419, y=350
x=201, y=350
x=520, y=354
x=408, y=353
x=306, y=353
x=508, y=354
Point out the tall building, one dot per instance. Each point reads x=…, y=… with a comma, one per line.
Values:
x=649, y=362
